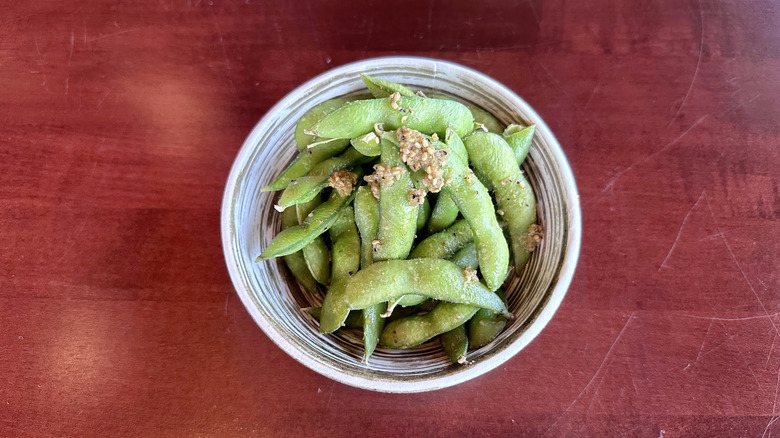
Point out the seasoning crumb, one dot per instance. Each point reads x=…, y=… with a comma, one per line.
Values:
x=435, y=136
x=418, y=152
x=379, y=129
x=394, y=99
x=376, y=244
x=278, y=208
x=470, y=275
x=504, y=181
x=403, y=119
x=534, y=237
x=383, y=175
x=522, y=184
x=416, y=197
x=500, y=212
x=420, y=93
x=343, y=181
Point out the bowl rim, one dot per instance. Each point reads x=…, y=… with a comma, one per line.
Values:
x=560, y=287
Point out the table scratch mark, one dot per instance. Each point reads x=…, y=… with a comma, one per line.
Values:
x=703, y=341
x=696, y=70
x=734, y=259
x=70, y=241
x=228, y=66
x=103, y=99
x=592, y=93
x=108, y=35
x=742, y=356
x=41, y=63
x=592, y=379
x=227, y=298
x=679, y=232
x=740, y=105
x=771, y=349
x=611, y=183
x=330, y=396
x=774, y=406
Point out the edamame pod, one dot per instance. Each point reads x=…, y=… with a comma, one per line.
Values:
x=383, y=88
x=519, y=139
x=346, y=262
x=477, y=208
x=295, y=261
x=423, y=213
x=466, y=256
x=414, y=330
x=353, y=321
x=306, y=160
x=444, y=244
x=316, y=253
x=434, y=278
x=444, y=213
x=295, y=238
x=367, y=220
x=491, y=154
x=314, y=115
x=367, y=145
x=484, y=119
x=456, y=344
x=305, y=188
x=428, y=116
x=397, y=214
x=486, y=325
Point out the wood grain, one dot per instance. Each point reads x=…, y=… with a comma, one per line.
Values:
x=120, y=123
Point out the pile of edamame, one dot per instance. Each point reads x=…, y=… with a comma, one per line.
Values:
x=409, y=208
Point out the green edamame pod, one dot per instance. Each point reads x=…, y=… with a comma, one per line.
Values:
x=491, y=154
x=466, y=256
x=423, y=213
x=434, y=278
x=519, y=139
x=353, y=321
x=397, y=215
x=316, y=254
x=306, y=160
x=346, y=262
x=314, y=115
x=444, y=213
x=383, y=88
x=367, y=220
x=444, y=244
x=295, y=238
x=485, y=325
x=477, y=208
x=295, y=261
x=456, y=344
x=456, y=146
x=367, y=145
x=428, y=116
x=414, y=330
x=484, y=119
x=481, y=117
x=373, y=323
x=307, y=187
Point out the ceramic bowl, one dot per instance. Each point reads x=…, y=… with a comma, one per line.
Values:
x=274, y=299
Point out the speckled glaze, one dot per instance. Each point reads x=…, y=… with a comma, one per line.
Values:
x=272, y=296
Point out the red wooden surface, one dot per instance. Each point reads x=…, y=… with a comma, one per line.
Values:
x=120, y=121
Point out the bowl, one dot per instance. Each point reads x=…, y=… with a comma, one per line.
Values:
x=274, y=299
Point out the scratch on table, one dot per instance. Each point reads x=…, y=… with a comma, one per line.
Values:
x=740, y=105
x=734, y=259
x=103, y=99
x=771, y=349
x=227, y=298
x=601, y=367
x=70, y=242
x=592, y=93
x=228, y=66
x=703, y=341
x=774, y=406
x=41, y=63
x=742, y=356
x=698, y=64
x=611, y=183
x=109, y=35
x=679, y=232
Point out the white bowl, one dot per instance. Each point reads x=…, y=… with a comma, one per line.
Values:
x=274, y=299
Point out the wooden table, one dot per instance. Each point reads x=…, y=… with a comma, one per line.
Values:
x=120, y=121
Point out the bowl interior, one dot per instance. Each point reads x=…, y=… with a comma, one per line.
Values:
x=274, y=298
